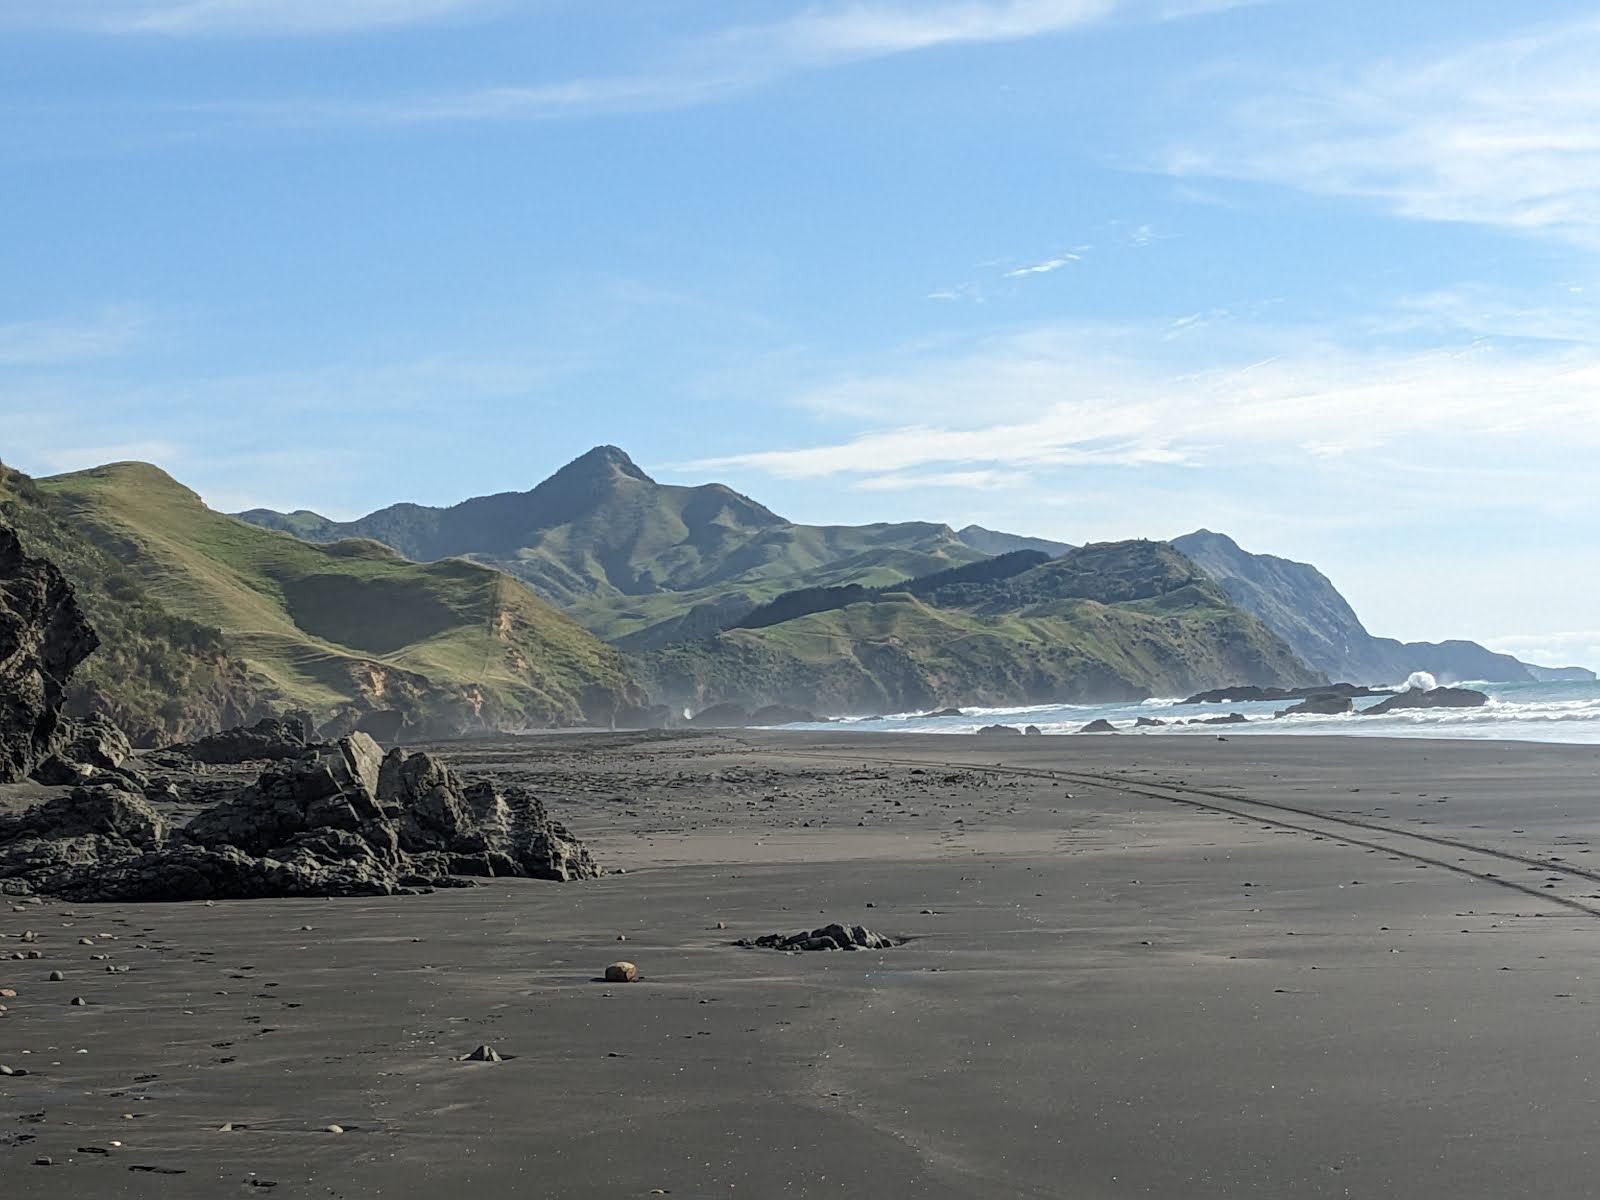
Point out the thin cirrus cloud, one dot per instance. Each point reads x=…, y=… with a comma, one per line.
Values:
x=1503, y=134
x=737, y=59
x=53, y=343
x=182, y=18
x=1045, y=267
x=1052, y=402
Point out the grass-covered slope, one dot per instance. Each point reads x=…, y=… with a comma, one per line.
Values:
x=631, y=558
x=159, y=676
x=1111, y=621
x=453, y=645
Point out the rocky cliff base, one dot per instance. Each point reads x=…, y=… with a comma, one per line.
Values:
x=343, y=820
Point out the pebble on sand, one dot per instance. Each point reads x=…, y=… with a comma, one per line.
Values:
x=486, y=1054
x=78, y=1002
x=334, y=1129
x=622, y=972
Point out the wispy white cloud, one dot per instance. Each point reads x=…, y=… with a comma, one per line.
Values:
x=737, y=59
x=964, y=480
x=1074, y=396
x=1503, y=134
x=180, y=18
x=1045, y=267
x=55, y=343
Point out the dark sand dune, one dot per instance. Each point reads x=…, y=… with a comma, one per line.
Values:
x=1176, y=968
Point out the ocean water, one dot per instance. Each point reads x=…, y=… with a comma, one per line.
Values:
x=1529, y=712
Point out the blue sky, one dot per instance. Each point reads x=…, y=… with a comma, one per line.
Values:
x=1319, y=275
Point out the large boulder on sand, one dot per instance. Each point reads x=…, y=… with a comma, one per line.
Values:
x=1099, y=726
x=43, y=638
x=999, y=731
x=74, y=838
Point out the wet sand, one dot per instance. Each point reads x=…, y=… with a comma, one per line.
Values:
x=1138, y=966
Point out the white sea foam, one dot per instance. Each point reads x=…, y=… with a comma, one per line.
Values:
x=1556, y=712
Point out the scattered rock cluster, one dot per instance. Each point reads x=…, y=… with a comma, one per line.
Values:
x=345, y=820
x=829, y=937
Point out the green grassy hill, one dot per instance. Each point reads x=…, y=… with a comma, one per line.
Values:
x=453, y=645
x=159, y=676
x=1107, y=622
x=633, y=559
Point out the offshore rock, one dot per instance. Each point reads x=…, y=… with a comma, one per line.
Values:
x=43, y=638
x=1327, y=704
x=782, y=714
x=1444, y=697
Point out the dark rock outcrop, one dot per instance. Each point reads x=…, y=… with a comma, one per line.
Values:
x=1149, y=723
x=1444, y=697
x=43, y=638
x=829, y=937
x=782, y=714
x=270, y=739
x=90, y=750
x=1242, y=695
x=1099, y=726
x=1324, y=705
x=722, y=716
x=1033, y=731
x=382, y=724
x=346, y=820
x=999, y=731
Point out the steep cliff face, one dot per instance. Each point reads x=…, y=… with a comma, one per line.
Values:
x=1301, y=605
x=43, y=638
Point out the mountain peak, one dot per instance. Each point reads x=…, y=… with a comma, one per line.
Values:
x=603, y=462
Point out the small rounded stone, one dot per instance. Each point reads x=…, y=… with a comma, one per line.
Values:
x=622, y=972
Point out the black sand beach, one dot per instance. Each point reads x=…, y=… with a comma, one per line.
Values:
x=1137, y=967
